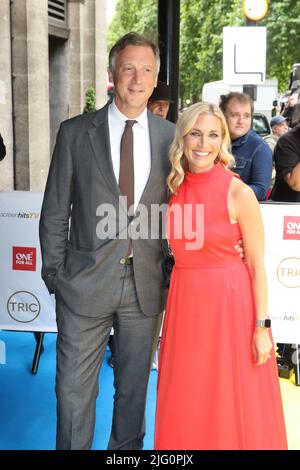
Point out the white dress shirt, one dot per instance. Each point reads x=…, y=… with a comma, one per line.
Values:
x=141, y=147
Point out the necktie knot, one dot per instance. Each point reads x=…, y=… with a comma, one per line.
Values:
x=130, y=123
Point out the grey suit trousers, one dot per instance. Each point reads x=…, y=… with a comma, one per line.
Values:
x=81, y=345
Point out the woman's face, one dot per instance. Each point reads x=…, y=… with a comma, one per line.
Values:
x=202, y=144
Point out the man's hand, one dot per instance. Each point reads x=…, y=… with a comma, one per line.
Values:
x=240, y=249
x=293, y=178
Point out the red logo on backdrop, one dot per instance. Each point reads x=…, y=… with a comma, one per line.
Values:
x=291, y=227
x=24, y=258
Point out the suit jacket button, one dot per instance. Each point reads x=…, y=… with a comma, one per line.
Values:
x=122, y=261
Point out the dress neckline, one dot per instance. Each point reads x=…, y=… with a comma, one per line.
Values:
x=209, y=175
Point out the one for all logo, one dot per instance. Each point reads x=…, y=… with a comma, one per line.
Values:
x=24, y=258
x=288, y=271
x=291, y=227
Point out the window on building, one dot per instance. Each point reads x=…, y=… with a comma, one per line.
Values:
x=57, y=18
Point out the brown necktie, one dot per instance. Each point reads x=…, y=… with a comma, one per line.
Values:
x=126, y=176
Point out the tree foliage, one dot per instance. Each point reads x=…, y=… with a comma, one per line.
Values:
x=283, y=39
x=201, y=25
x=133, y=15
x=201, y=42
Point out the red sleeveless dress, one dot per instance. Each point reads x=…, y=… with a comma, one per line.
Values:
x=210, y=393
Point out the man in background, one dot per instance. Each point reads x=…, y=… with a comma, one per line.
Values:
x=275, y=109
x=287, y=165
x=252, y=154
x=159, y=101
x=279, y=127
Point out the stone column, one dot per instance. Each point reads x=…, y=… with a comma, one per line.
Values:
x=101, y=56
x=38, y=92
x=31, y=92
x=58, y=85
x=87, y=52
x=94, y=51
x=89, y=45
x=75, y=24
x=6, y=129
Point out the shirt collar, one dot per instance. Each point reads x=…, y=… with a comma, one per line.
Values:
x=119, y=118
x=240, y=140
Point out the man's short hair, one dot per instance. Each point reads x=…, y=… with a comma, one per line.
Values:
x=240, y=97
x=132, y=39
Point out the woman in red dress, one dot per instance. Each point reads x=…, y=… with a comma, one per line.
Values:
x=218, y=386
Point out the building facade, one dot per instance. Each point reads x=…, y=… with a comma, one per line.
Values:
x=51, y=52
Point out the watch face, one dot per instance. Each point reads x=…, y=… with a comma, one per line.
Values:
x=255, y=9
x=267, y=323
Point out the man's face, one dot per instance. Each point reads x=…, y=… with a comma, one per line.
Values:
x=238, y=118
x=280, y=129
x=134, y=78
x=159, y=107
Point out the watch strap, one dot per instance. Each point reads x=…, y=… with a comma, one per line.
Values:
x=266, y=323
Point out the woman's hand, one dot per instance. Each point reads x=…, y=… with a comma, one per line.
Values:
x=261, y=345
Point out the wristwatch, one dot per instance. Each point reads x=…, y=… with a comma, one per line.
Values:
x=266, y=323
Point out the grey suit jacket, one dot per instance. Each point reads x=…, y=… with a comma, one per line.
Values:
x=78, y=265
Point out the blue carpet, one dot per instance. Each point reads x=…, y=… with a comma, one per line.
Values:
x=28, y=403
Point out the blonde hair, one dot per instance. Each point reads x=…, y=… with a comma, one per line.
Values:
x=184, y=124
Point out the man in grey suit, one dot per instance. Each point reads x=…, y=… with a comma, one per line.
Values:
x=103, y=281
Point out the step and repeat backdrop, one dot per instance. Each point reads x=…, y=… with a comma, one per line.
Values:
x=25, y=303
